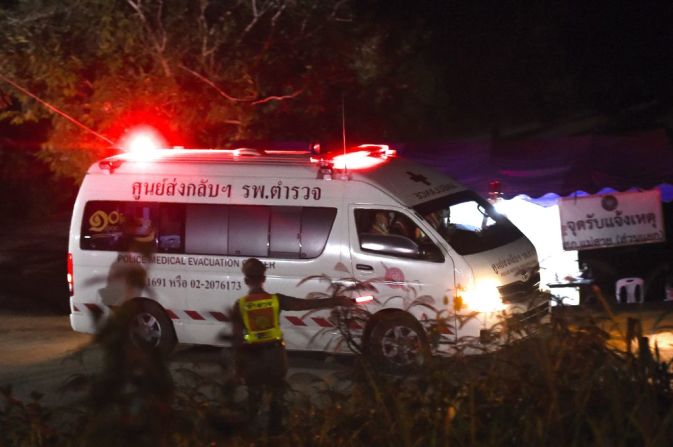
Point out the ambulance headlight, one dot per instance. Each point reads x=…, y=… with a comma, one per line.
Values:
x=483, y=297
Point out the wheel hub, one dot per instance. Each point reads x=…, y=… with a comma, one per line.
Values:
x=401, y=345
x=147, y=329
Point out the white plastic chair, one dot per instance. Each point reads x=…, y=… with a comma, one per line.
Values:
x=629, y=290
x=669, y=293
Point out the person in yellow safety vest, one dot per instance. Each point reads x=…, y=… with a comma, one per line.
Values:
x=261, y=360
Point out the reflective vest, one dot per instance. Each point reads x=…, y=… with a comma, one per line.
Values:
x=260, y=314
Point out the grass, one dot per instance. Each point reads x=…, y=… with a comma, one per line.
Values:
x=566, y=386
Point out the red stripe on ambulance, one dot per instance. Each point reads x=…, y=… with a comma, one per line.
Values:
x=95, y=308
x=219, y=316
x=194, y=315
x=180, y=314
x=322, y=322
x=296, y=321
x=354, y=325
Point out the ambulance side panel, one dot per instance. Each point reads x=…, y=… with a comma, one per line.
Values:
x=302, y=225
x=198, y=290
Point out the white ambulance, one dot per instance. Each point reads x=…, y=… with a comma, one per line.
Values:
x=169, y=232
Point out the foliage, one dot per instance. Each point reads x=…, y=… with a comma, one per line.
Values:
x=207, y=72
x=566, y=386
x=202, y=72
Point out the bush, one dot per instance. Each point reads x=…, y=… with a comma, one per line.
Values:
x=565, y=386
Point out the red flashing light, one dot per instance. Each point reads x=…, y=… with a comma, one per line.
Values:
x=356, y=160
x=71, y=282
x=364, y=299
x=494, y=190
x=142, y=140
x=366, y=156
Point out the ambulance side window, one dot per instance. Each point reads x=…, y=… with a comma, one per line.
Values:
x=384, y=222
x=396, y=230
x=249, y=230
x=171, y=228
x=284, y=234
x=316, y=225
x=119, y=226
x=206, y=229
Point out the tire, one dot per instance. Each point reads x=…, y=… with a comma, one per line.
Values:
x=150, y=328
x=397, y=343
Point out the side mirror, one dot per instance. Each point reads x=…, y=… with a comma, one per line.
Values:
x=390, y=244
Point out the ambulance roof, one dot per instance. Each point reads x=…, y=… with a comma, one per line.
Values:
x=409, y=182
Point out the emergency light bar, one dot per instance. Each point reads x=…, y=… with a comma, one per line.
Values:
x=365, y=156
x=145, y=149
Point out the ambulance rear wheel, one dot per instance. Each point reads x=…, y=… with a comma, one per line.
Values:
x=397, y=343
x=150, y=327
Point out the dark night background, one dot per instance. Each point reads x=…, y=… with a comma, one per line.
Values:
x=443, y=70
x=446, y=70
x=407, y=72
x=559, y=97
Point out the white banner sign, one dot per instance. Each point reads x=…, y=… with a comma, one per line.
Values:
x=611, y=220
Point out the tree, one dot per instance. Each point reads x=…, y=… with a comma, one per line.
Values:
x=202, y=72
x=205, y=72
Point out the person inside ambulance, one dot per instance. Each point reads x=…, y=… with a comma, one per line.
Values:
x=140, y=233
x=390, y=223
x=261, y=359
x=441, y=221
x=403, y=226
x=381, y=223
x=393, y=223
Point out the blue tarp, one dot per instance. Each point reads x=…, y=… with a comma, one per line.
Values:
x=547, y=168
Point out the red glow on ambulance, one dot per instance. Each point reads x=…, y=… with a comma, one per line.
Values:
x=144, y=114
x=141, y=140
x=367, y=156
x=356, y=160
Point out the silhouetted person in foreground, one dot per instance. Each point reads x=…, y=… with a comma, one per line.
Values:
x=261, y=359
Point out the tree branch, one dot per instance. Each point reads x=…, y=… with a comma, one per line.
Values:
x=159, y=42
x=212, y=84
x=163, y=37
x=251, y=100
x=277, y=15
x=335, y=13
x=277, y=98
x=55, y=109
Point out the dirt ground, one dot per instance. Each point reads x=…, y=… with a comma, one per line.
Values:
x=41, y=353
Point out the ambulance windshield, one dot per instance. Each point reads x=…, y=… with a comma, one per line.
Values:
x=468, y=223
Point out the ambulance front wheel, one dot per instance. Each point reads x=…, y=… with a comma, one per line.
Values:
x=397, y=343
x=150, y=327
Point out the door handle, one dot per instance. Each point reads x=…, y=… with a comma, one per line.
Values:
x=364, y=267
x=345, y=282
